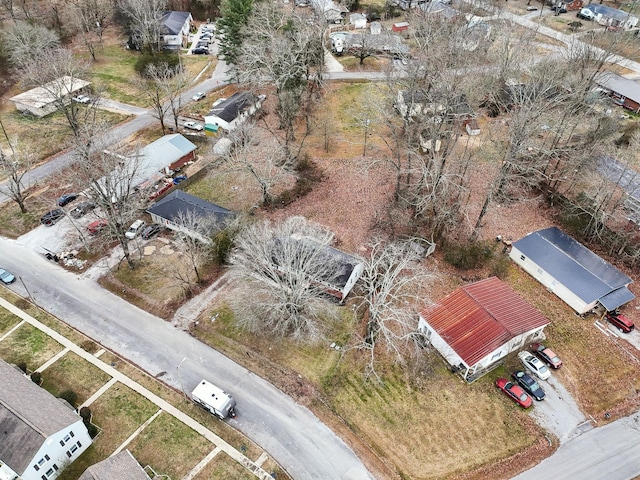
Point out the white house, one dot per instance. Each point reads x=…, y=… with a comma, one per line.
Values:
x=574, y=273
x=39, y=433
x=612, y=17
x=233, y=111
x=175, y=29
x=358, y=20
x=477, y=325
x=46, y=99
x=180, y=211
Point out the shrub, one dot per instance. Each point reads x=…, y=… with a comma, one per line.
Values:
x=469, y=255
x=36, y=377
x=22, y=366
x=70, y=396
x=158, y=59
x=85, y=413
x=92, y=429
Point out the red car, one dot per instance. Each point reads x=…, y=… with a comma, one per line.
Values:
x=620, y=321
x=546, y=355
x=514, y=392
x=96, y=227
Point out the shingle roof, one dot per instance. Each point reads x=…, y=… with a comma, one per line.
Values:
x=575, y=266
x=229, y=109
x=618, y=84
x=179, y=203
x=174, y=21
x=28, y=415
x=609, y=12
x=478, y=318
x=121, y=466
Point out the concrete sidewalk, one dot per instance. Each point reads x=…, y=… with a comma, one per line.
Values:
x=159, y=402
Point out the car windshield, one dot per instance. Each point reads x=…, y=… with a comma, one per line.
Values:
x=534, y=386
x=523, y=397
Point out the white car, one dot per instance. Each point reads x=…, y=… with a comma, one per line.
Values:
x=81, y=99
x=193, y=126
x=134, y=229
x=534, y=365
x=198, y=96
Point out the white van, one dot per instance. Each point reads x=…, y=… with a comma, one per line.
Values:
x=134, y=229
x=586, y=14
x=214, y=400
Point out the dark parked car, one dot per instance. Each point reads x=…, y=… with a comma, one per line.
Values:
x=52, y=217
x=200, y=51
x=150, y=231
x=527, y=382
x=82, y=209
x=514, y=392
x=97, y=226
x=620, y=321
x=546, y=355
x=66, y=199
x=6, y=277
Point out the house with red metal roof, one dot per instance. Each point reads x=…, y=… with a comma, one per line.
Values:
x=477, y=325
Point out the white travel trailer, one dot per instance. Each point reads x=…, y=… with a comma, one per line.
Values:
x=214, y=399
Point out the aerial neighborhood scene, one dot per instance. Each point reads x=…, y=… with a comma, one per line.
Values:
x=319, y=239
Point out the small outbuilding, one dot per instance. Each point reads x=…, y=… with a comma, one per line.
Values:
x=116, y=467
x=479, y=324
x=358, y=20
x=48, y=98
x=574, y=273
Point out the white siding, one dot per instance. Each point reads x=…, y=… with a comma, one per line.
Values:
x=355, y=275
x=550, y=282
x=439, y=344
x=58, y=458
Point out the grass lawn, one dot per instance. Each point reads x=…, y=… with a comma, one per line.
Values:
x=169, y=446
x=223, y=466
x=29, y=345
x=7, y=321
x=76, y=374
x=114, y=75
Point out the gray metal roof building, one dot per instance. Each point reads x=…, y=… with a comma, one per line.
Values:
x=118, y=467
x=570, y=270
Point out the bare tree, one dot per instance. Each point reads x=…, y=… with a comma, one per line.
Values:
x=393, y=286
x=113, y=174
x=25, y=43
x=266, y=164
x=14, y=166
x=90, y=18
x=145, y=21
x=165, y=85
x=282, y=268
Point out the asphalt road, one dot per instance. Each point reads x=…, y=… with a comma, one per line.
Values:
x=611, y=452
x=289, y=432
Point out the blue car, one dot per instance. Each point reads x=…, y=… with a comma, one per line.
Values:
x=6, y=277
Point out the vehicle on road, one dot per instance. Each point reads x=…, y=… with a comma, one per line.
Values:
x=66, y=199
x=82, y=209
x=214, y=399
x=81, y=99
x=547, y=355
x=198, y=96
x=200, y=51
x=97, y=226
x=529, y=385
x=534, y=365
x=6, y=277
x=514, y=392
x=151, y=231
x=134, y=229
x=52, y=217
x=619, y=320
x=193, y=126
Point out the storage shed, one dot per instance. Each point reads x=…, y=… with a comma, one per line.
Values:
x=574, y=273
x=477, y=325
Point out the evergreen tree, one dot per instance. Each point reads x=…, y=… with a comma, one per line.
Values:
x=235, y=15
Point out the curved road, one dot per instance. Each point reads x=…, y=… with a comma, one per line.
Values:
x=290, y=433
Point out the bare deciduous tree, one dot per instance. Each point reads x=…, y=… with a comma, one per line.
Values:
x=25, y=43
x=393, y=286
x=281, y=268
x=145, y=21
x=14, y=166
x=90, y=18
x=165, y=84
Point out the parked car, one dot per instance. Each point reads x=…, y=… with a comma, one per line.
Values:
x=209, y=27
x=52, y=217
x=198, y=96
x=82, y=209
x=6, y=277
x=81, y=99
x=620, y=321
x=151, y=231
x=66, y=199
x=134, y=229
x=200, y=51
x=206, y=36
x=546, y=355
x=529, y=385
x=193, y=126
x=97, y=226
x=203, y=44
x=534, y=365
x=514, y=392
x=586, y=14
